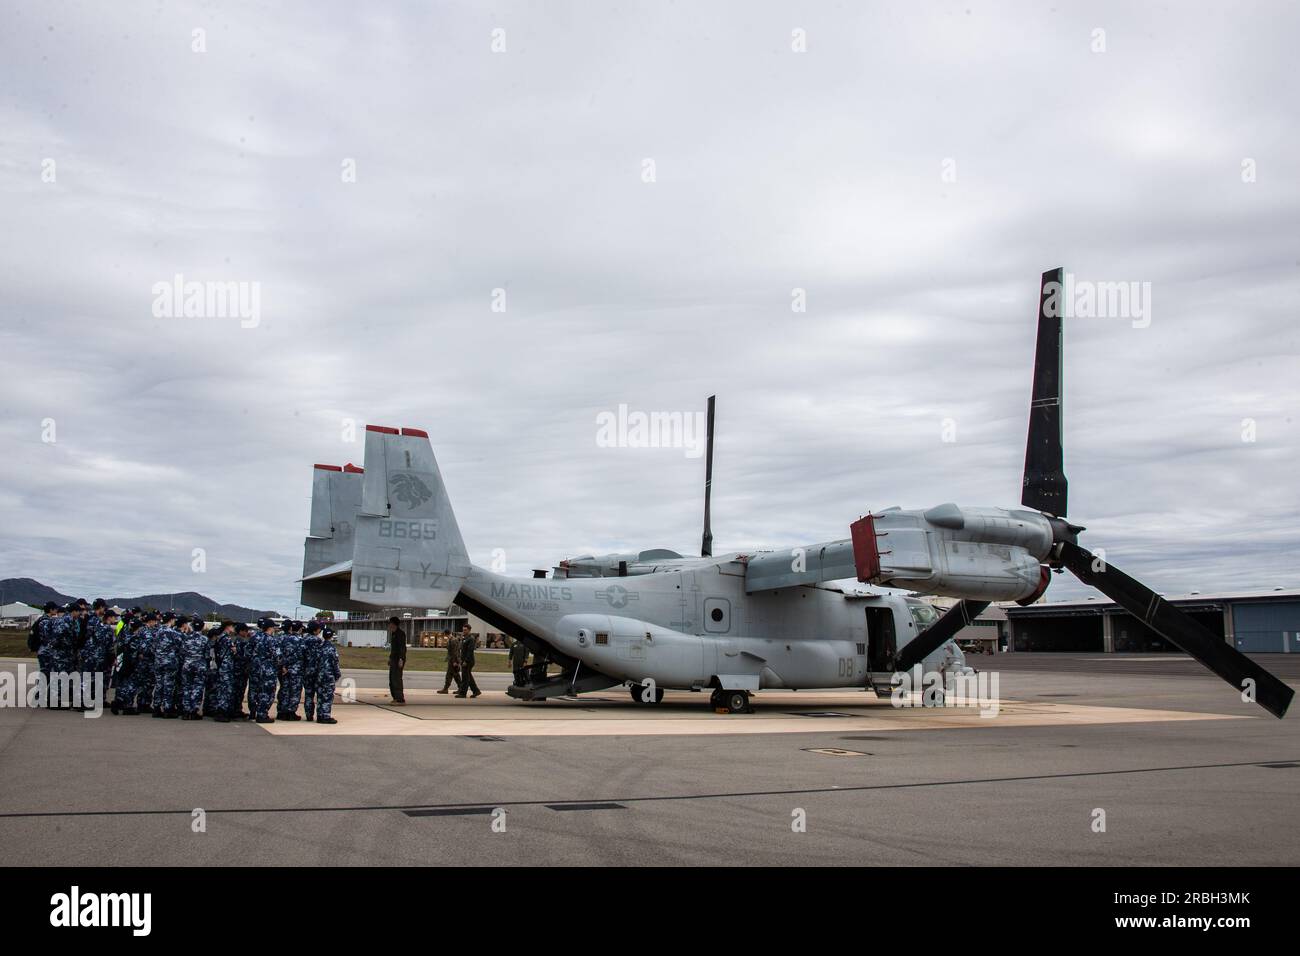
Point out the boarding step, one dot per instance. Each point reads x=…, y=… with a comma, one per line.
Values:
x=561, y=686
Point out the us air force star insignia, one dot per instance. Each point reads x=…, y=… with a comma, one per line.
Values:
x=617, y=596
x=410, y=490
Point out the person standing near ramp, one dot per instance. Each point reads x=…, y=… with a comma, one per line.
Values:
x=467, y=664
x=519, y=662
x=396, y=659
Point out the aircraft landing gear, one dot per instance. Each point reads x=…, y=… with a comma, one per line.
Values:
x=732, y=701
x=638, y=694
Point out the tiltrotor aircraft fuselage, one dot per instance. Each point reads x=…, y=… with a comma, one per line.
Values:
x=814, y=616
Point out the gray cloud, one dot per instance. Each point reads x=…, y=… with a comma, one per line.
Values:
x=522, y=170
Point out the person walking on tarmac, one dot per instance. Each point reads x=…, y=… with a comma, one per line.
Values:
x=396, y=659
x=467, y=664
x=453, y=665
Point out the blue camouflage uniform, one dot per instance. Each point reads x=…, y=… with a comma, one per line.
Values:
x=290, y=676
x=44, y=628
x=220, y=702
x=327, y=673
x=239, y=680
x=63, y=652
x=196, y=650
x=167, y=649
x=311, y=645
x=125, y=678
x=263, y=670
x=96, y=655
x=143, y=645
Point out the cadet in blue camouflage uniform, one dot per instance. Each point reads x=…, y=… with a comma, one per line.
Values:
x=263, y=668
x=215, y=702
x=239, y=689
x=196, y=652
x=311, y=644
x=43, y=636
x=218, y=703
x=96, y=655
x=167, y=647
x=290, y=672
x=63, y=635
x=125, y=687
x=145, y=641
x=327, y=672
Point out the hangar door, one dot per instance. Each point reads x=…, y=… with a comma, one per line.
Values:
x=1267, y=628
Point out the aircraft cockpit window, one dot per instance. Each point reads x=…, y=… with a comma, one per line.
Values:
x=924, y=615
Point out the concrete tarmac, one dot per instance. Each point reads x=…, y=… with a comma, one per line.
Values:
x=1184, y=772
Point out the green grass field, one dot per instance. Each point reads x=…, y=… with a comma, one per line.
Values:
x=13, y=643
x=419, y=659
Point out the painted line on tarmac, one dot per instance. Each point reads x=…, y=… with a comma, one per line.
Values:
x=555, y=804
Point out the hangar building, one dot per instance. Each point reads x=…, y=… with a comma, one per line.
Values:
x=1263, y=622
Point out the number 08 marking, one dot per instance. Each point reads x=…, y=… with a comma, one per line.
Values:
x=372, y=585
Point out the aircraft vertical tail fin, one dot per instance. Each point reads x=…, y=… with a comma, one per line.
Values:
x=327, y=549
x=407, y=551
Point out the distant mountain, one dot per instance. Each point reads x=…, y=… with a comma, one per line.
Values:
x=191, y=602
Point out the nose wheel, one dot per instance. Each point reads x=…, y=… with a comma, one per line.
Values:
x=732, y=701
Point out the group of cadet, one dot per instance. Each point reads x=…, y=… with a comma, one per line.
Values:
x=167, y=664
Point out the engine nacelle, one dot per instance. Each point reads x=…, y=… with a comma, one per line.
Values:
x=989, y=554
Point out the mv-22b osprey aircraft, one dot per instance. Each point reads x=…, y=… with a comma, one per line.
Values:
x=386, y=536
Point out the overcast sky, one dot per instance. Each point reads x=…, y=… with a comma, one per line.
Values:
x=914, y=171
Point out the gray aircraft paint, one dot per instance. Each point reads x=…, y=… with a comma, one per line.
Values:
x=680, y=622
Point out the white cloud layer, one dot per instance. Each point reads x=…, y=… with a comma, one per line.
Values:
x=522, y=170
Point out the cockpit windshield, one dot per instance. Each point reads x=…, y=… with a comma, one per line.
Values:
x=924, y=615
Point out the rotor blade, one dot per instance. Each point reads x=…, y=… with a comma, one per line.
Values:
x=1044, y=486
x=934, y=636
x=706, y=547
x=1178, y=628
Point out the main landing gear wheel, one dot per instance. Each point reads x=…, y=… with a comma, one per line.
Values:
x=638, y=694
x=732, y=701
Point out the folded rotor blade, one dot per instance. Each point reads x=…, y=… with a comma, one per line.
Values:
x=1179, y=629
x=1045, y=487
